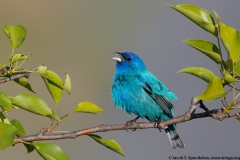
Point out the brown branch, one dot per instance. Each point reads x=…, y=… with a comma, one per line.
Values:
x=217, y=114
x=18, y=75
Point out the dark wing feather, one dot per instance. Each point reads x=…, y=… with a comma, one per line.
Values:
x=163, y=102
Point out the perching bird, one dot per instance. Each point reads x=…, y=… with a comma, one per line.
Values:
x=136, y=90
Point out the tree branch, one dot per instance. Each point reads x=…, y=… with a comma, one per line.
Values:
x=16, y=76
x=217, y=114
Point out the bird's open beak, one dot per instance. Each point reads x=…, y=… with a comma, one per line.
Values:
x=119, y=58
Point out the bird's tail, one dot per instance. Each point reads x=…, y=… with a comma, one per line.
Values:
x=173, y=138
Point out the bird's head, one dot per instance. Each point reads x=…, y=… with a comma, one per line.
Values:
x=128, y=61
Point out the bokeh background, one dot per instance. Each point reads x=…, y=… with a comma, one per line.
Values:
x=80, y=36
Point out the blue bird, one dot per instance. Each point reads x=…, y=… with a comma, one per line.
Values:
x=136, y=90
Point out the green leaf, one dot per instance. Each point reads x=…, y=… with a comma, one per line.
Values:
x=229, y=64
x=67, y=84
x=215, y=86
x=33, y=104
x=19, y=57
x=236, y=70
x=111, y=144
x=29, y=147
x=231, y=41
x=88, y=107
x=7, y=135
x=55, y=91
x=214, y=90
x=202, y=73
x=50, y=75
x=41, y=70
x=23, y=81
x=50, y=151
x=3, y=119
x=216, y=15
x=5, y=102
x=199, y=16
x=18, y=125
x=228, y=78
x=52, y=81
x=16, y=34
x=206, y=47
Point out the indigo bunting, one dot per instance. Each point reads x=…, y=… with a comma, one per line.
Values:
x=136, y=90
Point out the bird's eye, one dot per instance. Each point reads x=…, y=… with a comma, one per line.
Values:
x=129, y=59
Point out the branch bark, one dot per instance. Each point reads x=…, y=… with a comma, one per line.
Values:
x=16, y=76
x=217, y=114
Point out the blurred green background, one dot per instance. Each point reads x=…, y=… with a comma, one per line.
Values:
x=80, y=36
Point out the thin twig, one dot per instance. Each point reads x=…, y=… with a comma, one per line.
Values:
x=18, y=75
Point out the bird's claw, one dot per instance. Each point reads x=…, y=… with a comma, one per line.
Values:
x=131, y=124
x=157, y=124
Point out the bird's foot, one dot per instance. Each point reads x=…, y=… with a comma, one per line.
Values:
x=132, y=124
x=157, y=124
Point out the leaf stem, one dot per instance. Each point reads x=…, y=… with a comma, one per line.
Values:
x=11, y=58
x=232, y=87
x=220, y=50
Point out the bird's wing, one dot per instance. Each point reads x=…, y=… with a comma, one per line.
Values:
x=158, y=92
